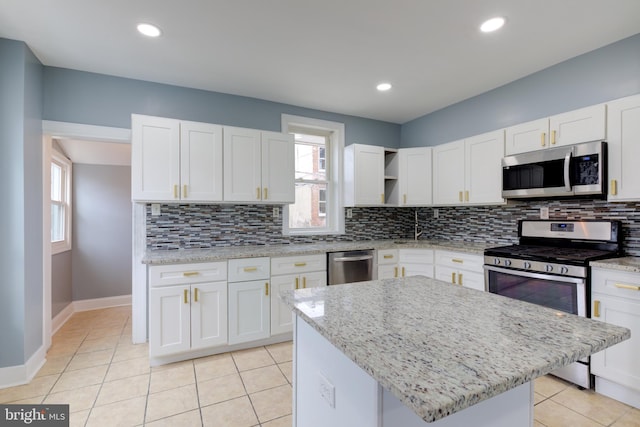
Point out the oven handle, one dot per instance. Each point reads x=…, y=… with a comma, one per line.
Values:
x=532, y=275
x=567, y=164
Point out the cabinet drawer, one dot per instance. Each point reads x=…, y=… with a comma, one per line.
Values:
x=416, y=256
x=387, y=256
x=244, y=269
x=178, y=274
x=298, y=264
x=460, y=260
x=615, y=283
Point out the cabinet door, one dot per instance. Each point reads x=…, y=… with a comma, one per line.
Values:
x=471, y=279
x=448, y=173
x=281, y=317
x=618, y=363
x=483, y=160
x=528, y=136
x=369, y=175
x=387, y=271
x=208, y=314
x=155, y=158
x=242, y=165
x=411, y=269
x=316, y=279
x=415, y=176
x=249, y=306
x=169, y=320
x=278, y=164
x=624, y=148
x=200, y=162
x=446, y=274
x=574, y=127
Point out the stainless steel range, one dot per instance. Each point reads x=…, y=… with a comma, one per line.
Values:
x=550, y=267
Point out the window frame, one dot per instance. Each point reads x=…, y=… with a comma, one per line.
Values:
x=65, y=192
x=335, y=132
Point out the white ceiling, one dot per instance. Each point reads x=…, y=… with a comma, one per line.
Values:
x=322, y=54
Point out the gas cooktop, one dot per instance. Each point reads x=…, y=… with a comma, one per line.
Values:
x=577, y=256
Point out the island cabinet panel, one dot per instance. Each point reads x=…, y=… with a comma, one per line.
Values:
x=623, y=129
x=616, y=300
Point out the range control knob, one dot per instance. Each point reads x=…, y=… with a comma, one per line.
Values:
x=549, y=267
x=564, y=270
x=496, y=261
x=507, y=262
x=527, y=265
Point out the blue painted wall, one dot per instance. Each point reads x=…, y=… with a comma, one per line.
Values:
x=21, y=215
x=96, y=99
x=601, y=75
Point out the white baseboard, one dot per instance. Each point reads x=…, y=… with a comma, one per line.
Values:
x=22, y=374
x=61, y=318
x=98, y=303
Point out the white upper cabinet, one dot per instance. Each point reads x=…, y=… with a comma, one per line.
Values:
x=258, y=166
x=469, y=171
x=624, y=148
x=174, y=160
x=415, y=176
x=573, y=127
x=364, y=175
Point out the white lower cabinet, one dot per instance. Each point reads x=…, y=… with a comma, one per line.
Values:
x=460, y=268
x=288, y=273
x=616, y=300
x=189, y=316
x=404, y=263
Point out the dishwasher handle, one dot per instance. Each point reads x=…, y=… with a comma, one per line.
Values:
x=352, y=258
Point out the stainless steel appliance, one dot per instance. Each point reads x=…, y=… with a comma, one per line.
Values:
x=573, y=170
x=350, y=266
x=550, y=267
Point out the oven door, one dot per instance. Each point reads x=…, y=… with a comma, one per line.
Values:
x=567, y=294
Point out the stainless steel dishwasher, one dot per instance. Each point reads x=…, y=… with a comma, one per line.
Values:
x=351, y=266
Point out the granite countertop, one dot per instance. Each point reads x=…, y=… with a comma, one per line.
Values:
x=441, y=348
x=629, y=263
x=224, y=253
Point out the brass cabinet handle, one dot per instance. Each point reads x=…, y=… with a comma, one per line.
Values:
x=542, y=139
x=297, y=283
x=458, y=260
x=453, y=278
x=630, y=287
x=395, y=271
x=402, y=271
x=195, y=295
x=466, y=196
x=304, y=283
x=250, y=269
x=553, y=137
x=405, y=198
x=387, y=256
x=266, y=289
x=596, y=308
x=382, y=198
x=265, y=194
x=190, y=273
x=460, y=195
x=460, y=279
x=258, y=193
x=184, y=191
x=186, y=299
x=175, y=191
x=300, y=264
x=614, y=187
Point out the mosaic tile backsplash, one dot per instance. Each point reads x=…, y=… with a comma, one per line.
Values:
x=206, y=226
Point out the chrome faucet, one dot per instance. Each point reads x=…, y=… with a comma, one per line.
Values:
x=417, y=229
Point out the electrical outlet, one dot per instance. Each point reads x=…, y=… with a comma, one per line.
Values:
x=544, y=212
x=276, y=212
x=327, y=391
x=155, y=209
x=349, y=213
x=436, y=213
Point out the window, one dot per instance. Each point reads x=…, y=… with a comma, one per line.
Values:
x=60, y=203
x=318, y=174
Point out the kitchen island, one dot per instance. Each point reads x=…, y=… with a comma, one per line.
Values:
x=413, y=351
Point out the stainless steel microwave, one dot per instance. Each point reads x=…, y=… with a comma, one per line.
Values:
x=573, y=170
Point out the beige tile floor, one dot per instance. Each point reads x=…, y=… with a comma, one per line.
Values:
x=107, y=381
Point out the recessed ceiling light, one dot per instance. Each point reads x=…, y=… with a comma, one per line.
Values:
x=149, y=30
x=382, y=87
x=492, y=24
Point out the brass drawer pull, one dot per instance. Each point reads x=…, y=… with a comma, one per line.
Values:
x=614, y=187
x=387, y=256
x=175, y=191
x=258, y=193
x=300, y=264
x=553, y=137
x=266, y=289
x=596, y=308
x=460, y=195
x=542, y=139
x=250, y=269
x=453, y=278
x=304, y=283
x=297, y=283
x=265, y=194
x=405, y=199
x=630, y=287
x=190, y=273
x=402, y=271
x=458, y=260
x=184, y=191
x=466, y=196
x=195, y=296
x=186, y=296
x=460, y=279
x=395, y=271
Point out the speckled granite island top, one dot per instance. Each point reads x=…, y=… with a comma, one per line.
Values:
x=441, y=348
x=224, y=253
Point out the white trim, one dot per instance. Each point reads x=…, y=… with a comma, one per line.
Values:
x=89, y=132
x=139, y=275
x=12, y=376
x=98, y=303
x=61, y=318
x=66, y=202
x=46, y=239
x=336, y=145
